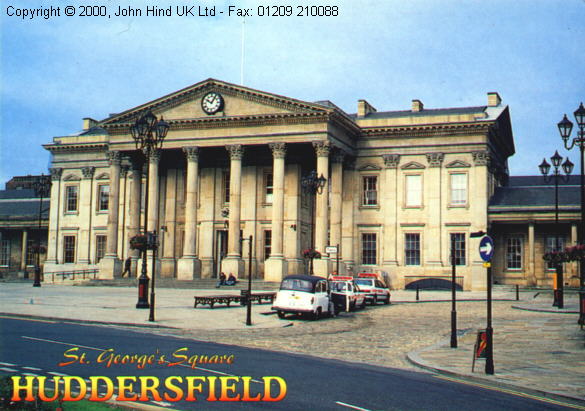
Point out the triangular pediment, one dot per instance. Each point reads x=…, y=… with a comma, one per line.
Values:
x=369, y=167
x=238, y=102
x=413, y=165
x=458, y=164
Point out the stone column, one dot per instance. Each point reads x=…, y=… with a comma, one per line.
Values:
x=321, y=266
x=233, y=263
x=189, y=264
x=153, y=203
x=336, y=202
x=478, y=203
x=167, y=236
x=531, y=266
x=54, y=213
x=389, y=209
x=85, y=214
x=347, y=222
x=433, y=189
x=135, y=206
x=207, y=216
x=110, y=266
x=292, y=225
x=275, y=267
x=24, y=250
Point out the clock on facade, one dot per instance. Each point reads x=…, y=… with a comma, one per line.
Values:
x=212, y=102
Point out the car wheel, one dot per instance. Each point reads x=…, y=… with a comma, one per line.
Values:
x=280, y=314
x=387, y=301
x=363, y=305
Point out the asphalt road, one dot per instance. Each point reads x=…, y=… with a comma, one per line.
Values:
x=38, y=347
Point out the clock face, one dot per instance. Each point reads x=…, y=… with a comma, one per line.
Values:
x=212, y=102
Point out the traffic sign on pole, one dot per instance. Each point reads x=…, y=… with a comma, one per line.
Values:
x=486, y=248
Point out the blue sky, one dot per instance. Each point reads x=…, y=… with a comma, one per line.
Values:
x=445, y=53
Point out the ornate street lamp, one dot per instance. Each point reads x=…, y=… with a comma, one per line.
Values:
x=567, y=166
x=148, y=134
x=42, y=188
x=565, y=126
x=312, y=185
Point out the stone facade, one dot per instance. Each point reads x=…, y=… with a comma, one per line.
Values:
x=400, y=187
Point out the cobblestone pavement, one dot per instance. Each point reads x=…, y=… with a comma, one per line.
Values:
x=543, y=351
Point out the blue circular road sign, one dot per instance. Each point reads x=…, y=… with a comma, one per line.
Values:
x=486, y=248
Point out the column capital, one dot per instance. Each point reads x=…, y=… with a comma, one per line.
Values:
x=87, y=172
x=481, y=158
x=278, y=150
x=391, y=160
x=192, y=153
x=338, y=155
x=236, y=151
x=322, y=148
x=56, y=173
x=435, y=159
x=114, y=158
x=154, y=156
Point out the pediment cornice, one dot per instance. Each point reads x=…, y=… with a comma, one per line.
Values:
x=426, y=130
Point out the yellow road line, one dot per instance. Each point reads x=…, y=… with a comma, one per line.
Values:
x=512, y=392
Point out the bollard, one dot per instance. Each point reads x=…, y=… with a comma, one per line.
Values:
x=417, y=297
x=517, y=292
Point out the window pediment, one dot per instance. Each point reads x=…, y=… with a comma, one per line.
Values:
x=458, y=164
x=413, y=165
x=72, y=177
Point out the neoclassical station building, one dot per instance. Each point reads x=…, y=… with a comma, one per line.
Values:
x=400, y=187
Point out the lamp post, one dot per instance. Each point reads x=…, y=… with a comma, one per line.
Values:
x=148, y=134
x=42, y=187
x=558, y=299
x=248, y=299
x=565, y=126
x=312, y=185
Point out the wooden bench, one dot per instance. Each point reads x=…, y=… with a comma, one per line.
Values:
x=211, y=300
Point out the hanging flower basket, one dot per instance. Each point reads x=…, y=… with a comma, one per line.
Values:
x=311, y=253
x=139, y=242
x=569, y=254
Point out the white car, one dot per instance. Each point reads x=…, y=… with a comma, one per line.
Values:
x=375, y=289
x=303, y=294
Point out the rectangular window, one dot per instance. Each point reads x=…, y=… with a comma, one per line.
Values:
x=267, y=243
x=458, y=245
x=69, y=249
x=30, y=252
x=414, y=190
x=369, y=249
x=100, y=247
x=226, y=186
x=268, y=188
x=370, y=193
x=71, y=195
x=5, y=253
x=514, y=253
x=103, y=197
x=551, y=245
x=412, y=249
x=458, y=189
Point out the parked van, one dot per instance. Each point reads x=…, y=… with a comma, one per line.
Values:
x=345, y=293
x=303, y=294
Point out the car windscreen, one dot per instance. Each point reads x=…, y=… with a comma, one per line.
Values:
x=367, y=282
x=297, y=285
x=338, y=286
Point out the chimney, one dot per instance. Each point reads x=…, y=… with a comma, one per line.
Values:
x=494, y=99
x=88, y=123
x=364, y=108
x=417, y=106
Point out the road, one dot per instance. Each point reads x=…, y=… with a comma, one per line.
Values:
x=38, y=347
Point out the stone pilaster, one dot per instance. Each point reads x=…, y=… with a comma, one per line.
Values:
x=322, y=150
x=190, y=265
x=292, y=226
x=347, y=222
x=336, y=204
x=85, y=214
x=135, y=208
x=233, y=263
x=389, y=209
x=206, y=230
x=52, y=243
x=478, y=208
x=110, y=266
x=275, y=267
x=433, y=193
x=23, y=249
x=167, y=235
x=531, y=263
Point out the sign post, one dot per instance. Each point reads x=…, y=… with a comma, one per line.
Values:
x=486, y=252
x=334, y=249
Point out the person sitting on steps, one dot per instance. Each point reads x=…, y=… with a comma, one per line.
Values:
x=221, y=280
x=231, y=280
